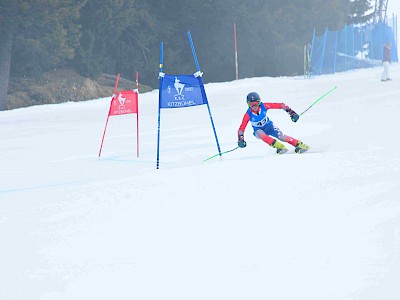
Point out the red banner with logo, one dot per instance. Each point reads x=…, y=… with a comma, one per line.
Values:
x=125, y=102
x=122, y=103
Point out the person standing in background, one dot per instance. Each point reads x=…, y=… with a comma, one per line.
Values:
x=386, y=60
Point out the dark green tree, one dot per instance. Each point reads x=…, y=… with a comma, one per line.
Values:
x=123, y=36
x=360, y=11
x=7, y=12
x=271, y=35
x=291, y=26
x=36, y=36
x=103, y=23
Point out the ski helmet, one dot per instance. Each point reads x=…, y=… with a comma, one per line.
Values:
x=253, y=96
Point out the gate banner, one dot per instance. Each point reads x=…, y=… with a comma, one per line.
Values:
x=181, y=91
x=125, y=102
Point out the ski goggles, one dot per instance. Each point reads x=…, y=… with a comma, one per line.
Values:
x=254, y=103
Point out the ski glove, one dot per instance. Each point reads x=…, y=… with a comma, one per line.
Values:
x=241, y=142
x=293, y=115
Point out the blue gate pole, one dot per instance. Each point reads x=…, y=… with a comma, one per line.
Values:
x=397, y=45
x=381, y=44
x=335, y=53
x=345, y=48
x=372, y=46
x=323, y=52
x=352, y=30
x=160, y=81
x=361, y=42
x=203, y=92
x=394, y=34
x=312, y=48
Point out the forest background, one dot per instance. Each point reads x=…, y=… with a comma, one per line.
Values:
x=55, y=51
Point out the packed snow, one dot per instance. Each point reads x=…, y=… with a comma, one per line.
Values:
x=253, y=225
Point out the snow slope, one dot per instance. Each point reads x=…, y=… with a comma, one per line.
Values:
x=255, y=225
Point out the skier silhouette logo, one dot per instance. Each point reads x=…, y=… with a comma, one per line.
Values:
x=179, y=88
x=121, y=101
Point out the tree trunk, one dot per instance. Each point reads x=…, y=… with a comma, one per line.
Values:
x=7, y=24
x=6, y=43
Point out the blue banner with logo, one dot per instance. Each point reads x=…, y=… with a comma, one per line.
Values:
x=181, y=91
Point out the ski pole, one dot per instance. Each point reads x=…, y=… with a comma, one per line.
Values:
x=221, y=153
x=319, y=99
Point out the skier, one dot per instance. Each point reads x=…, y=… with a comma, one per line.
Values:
x=264, y=128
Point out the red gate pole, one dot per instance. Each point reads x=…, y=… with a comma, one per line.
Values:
x=137, y=114
x=236, y=52
x=108, y=116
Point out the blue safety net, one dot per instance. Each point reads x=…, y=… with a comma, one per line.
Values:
x=353, y=47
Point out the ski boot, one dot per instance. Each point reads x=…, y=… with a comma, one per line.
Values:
x=280, y=148
x=301, y=147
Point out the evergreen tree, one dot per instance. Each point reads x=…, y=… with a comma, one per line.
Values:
x=360, y=11
x=103, y=23
x=36, y=36
x=123, y=36
x=7, y=12
x=271, y=36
